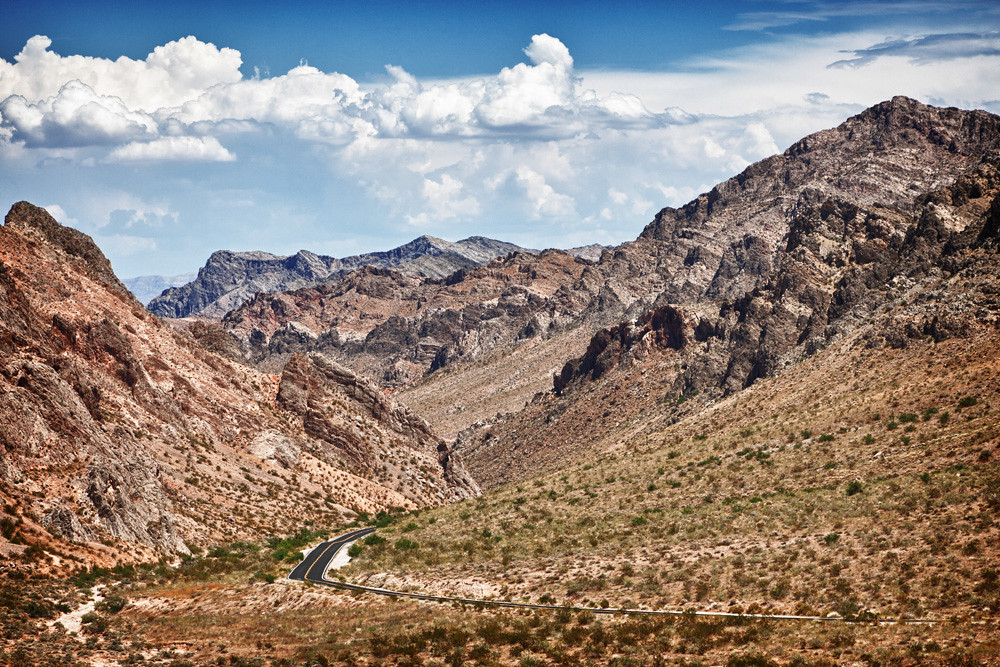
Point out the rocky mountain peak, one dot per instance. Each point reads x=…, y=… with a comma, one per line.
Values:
x=26, y=218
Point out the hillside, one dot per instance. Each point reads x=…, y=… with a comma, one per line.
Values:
x=229, y=279
x=121, y=438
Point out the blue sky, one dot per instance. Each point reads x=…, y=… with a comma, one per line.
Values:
x=167, y=132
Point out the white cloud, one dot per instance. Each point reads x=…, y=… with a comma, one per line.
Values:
x=170, y=75
x=545, y=202
x=75, y=116
x=446, y=199
x=173, y=149
x=547, y=49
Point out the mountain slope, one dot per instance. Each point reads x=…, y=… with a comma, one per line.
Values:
x=120, y=434
x=884, y=243
x=228, y=279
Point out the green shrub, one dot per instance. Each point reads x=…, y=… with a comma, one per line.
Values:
x=355, y=550
x=854, y=488
x=831, y=538
x=112, y=604
x=968, y=402
x=374, y=540
x=405, y=545
x=826, y=437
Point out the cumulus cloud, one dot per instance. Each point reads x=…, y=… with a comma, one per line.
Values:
x=170, y=75
x=173, y=149
x=446, y=199
x=187, y=82
x=75, y=116
x=547, y=49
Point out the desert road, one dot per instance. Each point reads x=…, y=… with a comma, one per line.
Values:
x=313, y=569
x=313, y=566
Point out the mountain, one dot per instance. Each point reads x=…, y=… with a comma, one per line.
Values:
x=147, y=288
x=229, y=279
x=121, y=437
x=881, y=231
x=766, y=266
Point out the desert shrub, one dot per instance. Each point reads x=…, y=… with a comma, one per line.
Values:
x=826, y=437
x=854, y=487
x=374, y=540
x=907, y=418
x=968, y=402
x=112, y=604
x=831, y=538
x=405, y=545
x=355, y=550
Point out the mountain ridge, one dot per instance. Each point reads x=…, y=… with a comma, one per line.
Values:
x=230, y=278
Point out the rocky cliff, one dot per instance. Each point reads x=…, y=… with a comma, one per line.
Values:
x=229, y=279
x=120, y=435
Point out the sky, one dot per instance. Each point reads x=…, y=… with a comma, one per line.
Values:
x=169, y=132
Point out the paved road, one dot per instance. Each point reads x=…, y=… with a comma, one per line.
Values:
x=313, y=566
x=313, y=569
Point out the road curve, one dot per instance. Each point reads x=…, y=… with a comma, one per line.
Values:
x=313, y=566
x=313, y=569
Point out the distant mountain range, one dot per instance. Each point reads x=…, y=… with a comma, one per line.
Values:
x=147, y=288
x=229, y=279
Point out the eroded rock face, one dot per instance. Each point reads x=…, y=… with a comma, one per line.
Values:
x=115, y=428
x=311, y=384
x=396, y=328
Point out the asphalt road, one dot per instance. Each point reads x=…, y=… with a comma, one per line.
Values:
x=313, y=568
